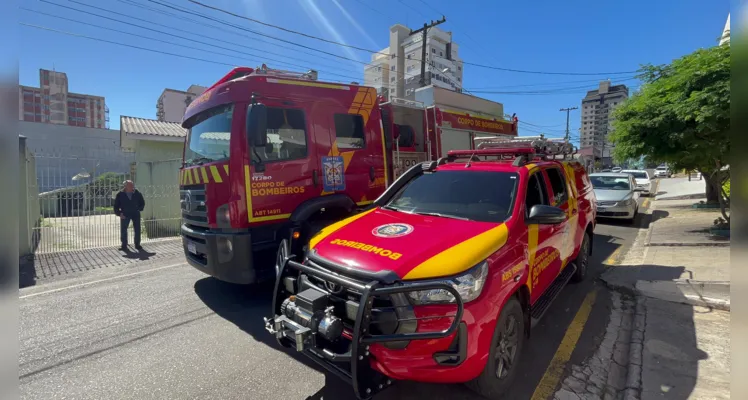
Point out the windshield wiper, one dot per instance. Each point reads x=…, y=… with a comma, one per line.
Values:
x=198, y=160
x=435, y=214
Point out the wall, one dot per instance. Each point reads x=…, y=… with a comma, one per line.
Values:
x=157, y=178
x=62, y=151
x=28, y=205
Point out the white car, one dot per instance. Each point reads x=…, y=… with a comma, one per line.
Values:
x=641, y=177
x=616, y=169
x=663, y=172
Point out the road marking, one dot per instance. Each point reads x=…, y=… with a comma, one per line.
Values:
x=613, y=258
x=100, y=280
x=547, y=385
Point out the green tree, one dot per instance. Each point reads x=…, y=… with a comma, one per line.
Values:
x=681, y=116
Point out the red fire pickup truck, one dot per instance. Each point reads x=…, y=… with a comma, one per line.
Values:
x=444, y=276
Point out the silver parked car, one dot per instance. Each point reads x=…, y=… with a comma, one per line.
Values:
x=617, y=195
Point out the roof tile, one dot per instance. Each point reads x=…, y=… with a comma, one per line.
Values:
x=151, y=127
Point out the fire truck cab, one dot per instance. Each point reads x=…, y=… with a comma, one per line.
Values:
x=268, y=154
x=273, y=155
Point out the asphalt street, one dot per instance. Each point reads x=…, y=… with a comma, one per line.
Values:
x=166, y=331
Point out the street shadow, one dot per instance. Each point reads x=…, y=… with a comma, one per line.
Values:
x=26, y=272
x=245, y=306
x=670, y=355
x=141, y=255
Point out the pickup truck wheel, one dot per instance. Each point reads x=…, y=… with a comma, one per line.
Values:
x=506, y=348
x=583, y=259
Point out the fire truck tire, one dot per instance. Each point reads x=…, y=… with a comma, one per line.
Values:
x=504, y=354
x=583, y=260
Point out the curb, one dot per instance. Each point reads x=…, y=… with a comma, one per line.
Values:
x=704, y=244
x=636, y=350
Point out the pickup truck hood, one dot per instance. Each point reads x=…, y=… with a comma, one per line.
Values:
x=410, y=245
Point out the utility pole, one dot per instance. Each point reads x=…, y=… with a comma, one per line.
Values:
x=567, y=119
x=424, y=32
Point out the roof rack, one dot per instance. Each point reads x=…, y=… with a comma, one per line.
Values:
x=310, y=75
x=521, y=149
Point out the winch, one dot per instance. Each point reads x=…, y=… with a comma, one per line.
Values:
x=305, y=314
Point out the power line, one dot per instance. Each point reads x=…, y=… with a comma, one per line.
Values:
x=125, y=45
x=547, y=83
x=178, y=36
x=256, y=33
x=258, y=58
x=378, y=52
x=203, y=24
x=568, y=110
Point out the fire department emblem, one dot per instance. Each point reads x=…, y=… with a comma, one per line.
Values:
x=392, y=230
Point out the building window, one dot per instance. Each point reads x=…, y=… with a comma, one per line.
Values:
x=349, y=131
x=392, y=68
x=441, y=54
x=433, y=50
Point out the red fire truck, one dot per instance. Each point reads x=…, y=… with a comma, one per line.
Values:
x=274, y=154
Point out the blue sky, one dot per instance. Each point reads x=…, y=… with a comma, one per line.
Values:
x=556, y=36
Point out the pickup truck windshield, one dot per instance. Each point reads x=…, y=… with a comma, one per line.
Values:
x=472, y=195
x=209, y=136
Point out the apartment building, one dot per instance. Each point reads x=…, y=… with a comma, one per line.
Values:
x=172, y=103
x=725, y=38
x=52, y=103
x=395, y=71
x=597, y=108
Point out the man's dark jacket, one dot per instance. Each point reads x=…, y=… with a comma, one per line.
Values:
x=131, y=208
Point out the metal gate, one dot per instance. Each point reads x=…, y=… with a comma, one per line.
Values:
x=74, y=196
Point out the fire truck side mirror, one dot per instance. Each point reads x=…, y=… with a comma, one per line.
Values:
x=257, y=122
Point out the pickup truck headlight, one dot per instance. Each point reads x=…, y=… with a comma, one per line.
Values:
x=469, y=285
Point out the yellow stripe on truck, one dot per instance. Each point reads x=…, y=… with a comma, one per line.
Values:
x=204, y=174
x=327, y=231
x=216, y=174
x=461, y=257
x=248, y=191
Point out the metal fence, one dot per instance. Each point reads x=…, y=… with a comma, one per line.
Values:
x=75, y=197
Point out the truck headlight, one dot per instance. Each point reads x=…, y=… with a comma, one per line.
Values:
x=469, y=285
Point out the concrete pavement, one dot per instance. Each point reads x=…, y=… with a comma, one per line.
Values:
x=672, y=288
x=680, y=188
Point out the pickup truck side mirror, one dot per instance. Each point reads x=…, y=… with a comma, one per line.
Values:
x=257, y=122
x=546, y=215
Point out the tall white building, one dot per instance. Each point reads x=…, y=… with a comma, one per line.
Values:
x=725, y=32
x=395, y=71
x=597, y=123
x=172, y=104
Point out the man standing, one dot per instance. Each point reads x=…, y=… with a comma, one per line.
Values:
x=127, y=206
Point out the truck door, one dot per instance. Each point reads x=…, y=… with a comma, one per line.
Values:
x=357, y=145
x=282, y=172
x=563, y=197
x=541, y=240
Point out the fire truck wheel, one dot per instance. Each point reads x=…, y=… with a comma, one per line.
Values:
x=583, y=260
x=505, y=352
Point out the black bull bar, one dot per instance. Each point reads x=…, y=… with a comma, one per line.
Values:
x=354, y=364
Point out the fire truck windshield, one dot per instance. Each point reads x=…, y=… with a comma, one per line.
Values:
x=209, y=136
x=472, y=195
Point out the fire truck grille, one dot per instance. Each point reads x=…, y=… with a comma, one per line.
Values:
x=194, y=206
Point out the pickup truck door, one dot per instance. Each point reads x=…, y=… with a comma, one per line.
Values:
x=564, y=197
x=541, y=239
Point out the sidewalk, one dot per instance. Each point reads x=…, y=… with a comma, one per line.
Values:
x=668, y=336
x=56, y=265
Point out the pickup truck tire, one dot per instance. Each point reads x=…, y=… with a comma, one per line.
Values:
x=583, y=259
x=504, y=354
